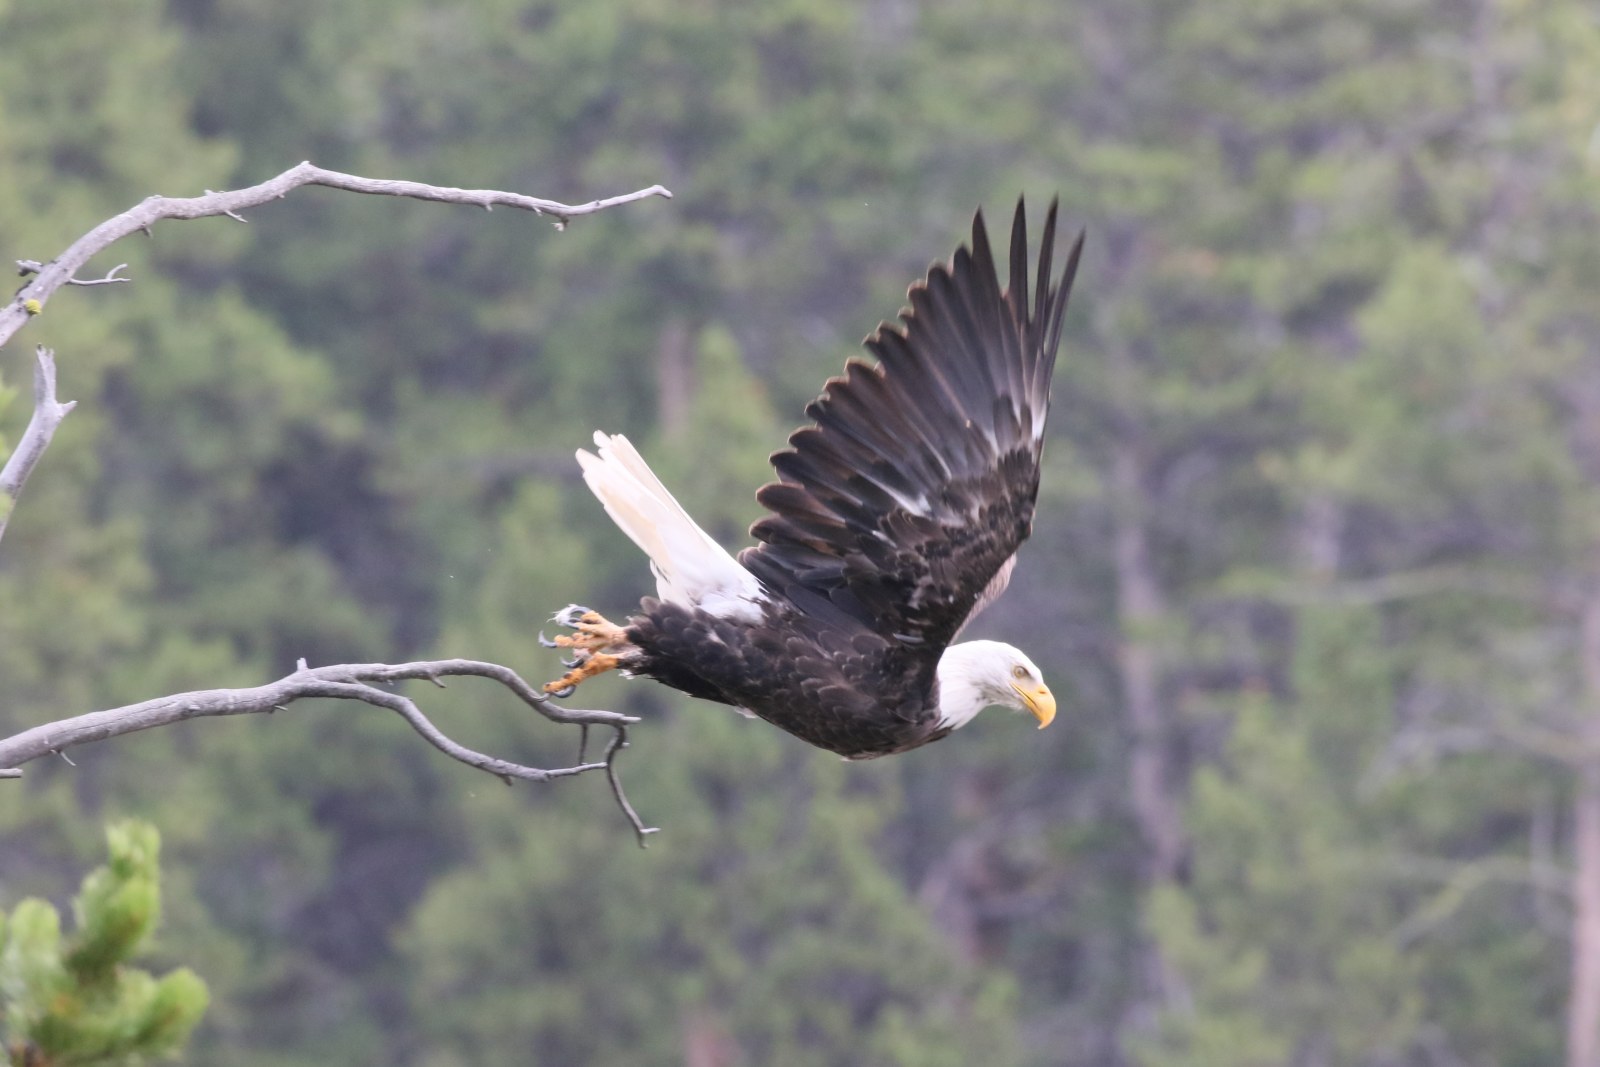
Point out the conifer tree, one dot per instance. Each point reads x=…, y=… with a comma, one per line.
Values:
x=74, y=1000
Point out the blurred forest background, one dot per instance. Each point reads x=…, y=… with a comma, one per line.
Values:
x=1316, y=573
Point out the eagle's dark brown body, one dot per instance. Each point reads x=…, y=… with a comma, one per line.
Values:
x=824, y=684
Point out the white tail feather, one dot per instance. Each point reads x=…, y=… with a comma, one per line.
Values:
x=690, y=568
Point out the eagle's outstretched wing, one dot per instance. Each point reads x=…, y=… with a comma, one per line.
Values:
x=902, y=507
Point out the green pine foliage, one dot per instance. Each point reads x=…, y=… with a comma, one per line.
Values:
x=1283, y=937
x=74, y=1000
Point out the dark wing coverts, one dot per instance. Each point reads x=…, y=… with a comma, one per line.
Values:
x=899, y=511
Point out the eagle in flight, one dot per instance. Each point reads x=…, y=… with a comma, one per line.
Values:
x=895, y=519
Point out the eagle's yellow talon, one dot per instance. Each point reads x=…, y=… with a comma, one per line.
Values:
x=598, y=663
x=592, y=635
x=593, y=632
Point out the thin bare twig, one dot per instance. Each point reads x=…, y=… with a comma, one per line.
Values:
x=619, y=741
x=63, y=269
x=26, y=267
x=345, y=681
x=48, y=411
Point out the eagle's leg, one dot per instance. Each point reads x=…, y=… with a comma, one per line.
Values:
x=592, y=635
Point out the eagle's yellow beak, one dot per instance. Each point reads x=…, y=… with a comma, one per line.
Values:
x=1040, y=701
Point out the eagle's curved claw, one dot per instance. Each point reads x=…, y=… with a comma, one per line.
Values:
x=570, y=616
x=546, y=642
x=564, y=691
x=569, y=663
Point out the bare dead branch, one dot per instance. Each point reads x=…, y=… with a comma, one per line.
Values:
x=48, y=277
x=48, y=412
x=345, y=681
x=63, y=269
x=341, y=682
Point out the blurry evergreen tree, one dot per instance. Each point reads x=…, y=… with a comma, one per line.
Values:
x=760, y=920
x=75, y=1002
x=1323, y=922
x=1423, y=468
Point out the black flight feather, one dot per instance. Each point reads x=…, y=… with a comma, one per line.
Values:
x=948, y=425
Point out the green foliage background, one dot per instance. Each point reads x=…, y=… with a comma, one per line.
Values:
x=1333, y=359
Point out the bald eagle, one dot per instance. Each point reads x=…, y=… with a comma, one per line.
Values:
x=895, y=519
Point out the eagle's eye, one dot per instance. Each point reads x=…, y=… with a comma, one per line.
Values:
x=1019, y=672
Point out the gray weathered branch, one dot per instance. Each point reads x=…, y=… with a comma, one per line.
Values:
x=48, y=412
x=32, y=297
x=345, y=681
x=342, y=682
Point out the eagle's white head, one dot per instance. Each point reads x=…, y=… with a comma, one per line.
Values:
x=976, y=674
